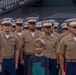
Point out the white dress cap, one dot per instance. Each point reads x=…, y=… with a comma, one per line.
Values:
x=38, y=24
x=32, y=19
x=20, y=20
x=64, y=25
x=7, y=21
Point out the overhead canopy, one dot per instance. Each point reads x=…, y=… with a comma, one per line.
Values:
x=62, y=15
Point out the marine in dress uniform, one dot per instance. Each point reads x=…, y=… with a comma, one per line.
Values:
x=67, y=50
x=25, y=26
x=27, y=40
x=13, y=26
x=56, y=34
x=55, y=27
x=65, y=30
x=19, y=24
x=55, y=30
x=51, y=43
x=11, y=46
x=39, y=26
x=64, y=27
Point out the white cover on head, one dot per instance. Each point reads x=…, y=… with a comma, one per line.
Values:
x=20, y=20
x=72, y=23
x=38, y=24
x=64, y=25
x=56, y=24
x=32, y=19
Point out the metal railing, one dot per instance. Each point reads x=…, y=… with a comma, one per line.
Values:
x=7, y=4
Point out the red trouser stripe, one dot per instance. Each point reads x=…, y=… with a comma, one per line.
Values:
x=24, y=57
x=65, y=66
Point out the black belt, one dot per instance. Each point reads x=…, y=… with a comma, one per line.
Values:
x=9, y=57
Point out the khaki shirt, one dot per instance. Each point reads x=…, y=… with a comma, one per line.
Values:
x=1, y=42
x=64, y=34
x=67, y=47
x=11, y=45
x=57, y=35
x=16, y=33
x=51, y=44
x=27, y=40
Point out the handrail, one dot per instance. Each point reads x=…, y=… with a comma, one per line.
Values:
x=7, y=4
x=10, y=5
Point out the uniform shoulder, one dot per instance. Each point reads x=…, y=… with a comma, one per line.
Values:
x=56, y=33
x=66, y=37
x=13, y=35
x=25, y=32
x=39, y=32
x=42, y=36
x=53, y=36
x=64, y=34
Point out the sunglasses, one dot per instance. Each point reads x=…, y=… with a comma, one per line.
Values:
x=55, y=27
x=19, y=24
x=13, y=26
x=38, y=28
x=64, y=29
x=74, y=27
x=25, y=28
x=7, y=25
x=32, y=23
x=48, y=27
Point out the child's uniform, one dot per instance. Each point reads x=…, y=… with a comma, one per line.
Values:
x=38, y=65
